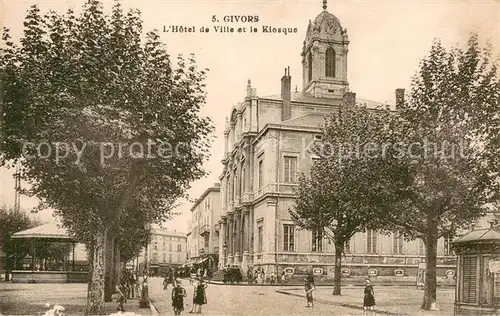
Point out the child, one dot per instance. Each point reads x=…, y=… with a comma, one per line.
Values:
x=309, y=288
x=369, y=297
x=178, y=294
x=121, y=298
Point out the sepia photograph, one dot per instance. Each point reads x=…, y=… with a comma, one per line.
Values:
x=250, y=157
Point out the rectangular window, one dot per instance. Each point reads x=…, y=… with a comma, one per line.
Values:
x=448, y=250
x=261, y=174
x=469, y=276
x=242, y=184
x=170, y=257
x=288, y=237
x=421, y=247
x=226, y=196
x=259, y=239
x=164, y=257
x=317, y=240
x=235, y=186
x=397, y=243
x=290, y=174
x=179, y=247
x=347, y=247
x=169, y=247
x=178, y=258
x=371, y=241
x=230, y=181
x=206, y=242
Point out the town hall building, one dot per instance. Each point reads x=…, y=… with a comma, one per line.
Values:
x=266, y=146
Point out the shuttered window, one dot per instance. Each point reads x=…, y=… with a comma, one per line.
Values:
x=290, y=169
x=469, y=279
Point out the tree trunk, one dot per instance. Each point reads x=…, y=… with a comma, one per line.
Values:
x=430, y=285
x=95, y=295
x=10, y=253
x=117, y=269
x=8, y=266
x=337, y=281
x=109, y=266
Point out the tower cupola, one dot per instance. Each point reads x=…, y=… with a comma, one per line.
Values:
x=324, y=57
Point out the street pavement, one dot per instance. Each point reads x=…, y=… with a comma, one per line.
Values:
x=31, y=299
x=243, y=300
x=283, y=300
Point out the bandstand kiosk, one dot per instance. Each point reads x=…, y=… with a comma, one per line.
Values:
x=477, y=289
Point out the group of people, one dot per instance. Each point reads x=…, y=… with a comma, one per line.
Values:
x=127, y=287
x=272, y=278
x=232, y=274
x=179, y=292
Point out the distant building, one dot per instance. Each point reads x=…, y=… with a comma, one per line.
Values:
x=204, y=228
x=166, y=249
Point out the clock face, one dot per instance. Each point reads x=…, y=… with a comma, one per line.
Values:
x=331, y=28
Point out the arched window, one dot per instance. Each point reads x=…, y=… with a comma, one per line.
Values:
x=309, y=66
x=330, y=63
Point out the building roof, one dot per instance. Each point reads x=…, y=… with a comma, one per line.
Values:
x=45, y=231
x=309, y=119
x=479, y=235
x=302, y=97
x=215, y=188
x=165, y=232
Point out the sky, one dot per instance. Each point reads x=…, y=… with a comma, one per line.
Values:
x=387, y=40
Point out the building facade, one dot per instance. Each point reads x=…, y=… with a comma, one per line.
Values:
x=166, y=249
x=267, y=141
x=204, y=228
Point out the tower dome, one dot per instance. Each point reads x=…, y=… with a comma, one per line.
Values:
x=325, y=26
x=324, y=57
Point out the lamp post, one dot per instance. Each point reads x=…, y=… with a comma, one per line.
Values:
x=224, y=247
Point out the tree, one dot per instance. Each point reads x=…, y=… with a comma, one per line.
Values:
x=102, y=121
x=446, y=149
x=12, y=222
x=339, y=196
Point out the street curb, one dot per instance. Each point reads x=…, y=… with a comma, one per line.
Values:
x=154, y=311
x=352, y=306
x=317, y=285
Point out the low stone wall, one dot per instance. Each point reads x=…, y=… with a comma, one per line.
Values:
x=21, y=276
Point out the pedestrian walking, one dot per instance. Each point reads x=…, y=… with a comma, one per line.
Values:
x=200, y=296
x=178, y=294
x=309, y=287
x=121, y=298
x=369, y=297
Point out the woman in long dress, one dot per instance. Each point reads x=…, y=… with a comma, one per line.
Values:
x=369, y=297
x=200, y=297
x=178, y=294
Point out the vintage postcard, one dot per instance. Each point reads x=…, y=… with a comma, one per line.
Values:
x=248, y=157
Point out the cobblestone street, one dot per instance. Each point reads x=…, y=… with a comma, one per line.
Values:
x=243, y=300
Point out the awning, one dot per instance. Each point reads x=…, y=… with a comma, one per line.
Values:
x=202, y=260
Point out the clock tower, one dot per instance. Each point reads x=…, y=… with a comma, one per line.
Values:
x=324, y=57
